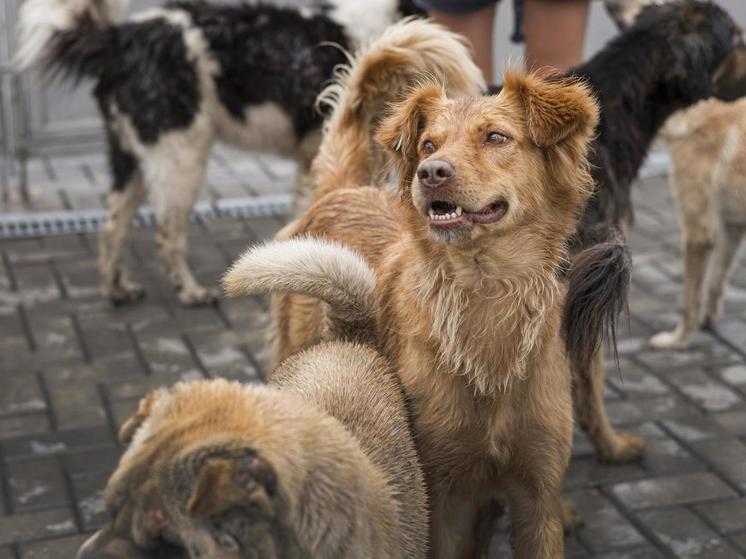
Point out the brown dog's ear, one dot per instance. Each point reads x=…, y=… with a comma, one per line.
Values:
x=555, y=108
x=130, y=427
x=400, y=132
x=224, y=482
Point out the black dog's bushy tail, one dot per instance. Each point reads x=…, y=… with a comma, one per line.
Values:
x=67, y=39
x=596, y=297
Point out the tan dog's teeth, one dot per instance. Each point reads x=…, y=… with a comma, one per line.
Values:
x=458, y=210
x=432, y=214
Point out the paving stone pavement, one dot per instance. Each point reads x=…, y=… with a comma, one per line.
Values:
x=72, y=368
x=59, y=183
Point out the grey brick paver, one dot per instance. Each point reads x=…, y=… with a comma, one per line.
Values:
x=697, y=354
x=92, y=461
x=26, y=424
x=56, y=548
x=728, y=456
x=604, y=527
x=694, y=427
x=89, y=495
x=672, y=490
x=36, y=484
x=687, y=536
x=740, y=542
x=706, y=391
x=645, y=552
x=728, y=515
x=732, y=422
x=36, y=525
x=73, y=368
x=664, y=454
x=72, y=442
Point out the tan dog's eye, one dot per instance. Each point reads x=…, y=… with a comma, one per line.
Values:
x=428, y=147
x=496, y=138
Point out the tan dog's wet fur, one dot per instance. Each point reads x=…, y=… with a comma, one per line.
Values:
x=469, y=308
x=708, y=154
x=320, y=464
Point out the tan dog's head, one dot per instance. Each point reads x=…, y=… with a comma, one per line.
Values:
x=193, y=483
x=488, y=165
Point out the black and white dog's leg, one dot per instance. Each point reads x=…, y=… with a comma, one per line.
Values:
x=124, y=201
x=174, y=174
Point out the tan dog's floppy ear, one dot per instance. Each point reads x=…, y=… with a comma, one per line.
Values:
x=223, y=482
x=400, y=132
x=555, y=108
x=130, y=427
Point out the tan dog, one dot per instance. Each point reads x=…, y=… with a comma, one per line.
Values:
x=467, y=300
x=321, y=464
x=708, y=179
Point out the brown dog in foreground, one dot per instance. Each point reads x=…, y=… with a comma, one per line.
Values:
x=321, y=464
x=467, y=299
x=707, y=144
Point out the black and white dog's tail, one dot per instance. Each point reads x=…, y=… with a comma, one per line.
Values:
x=324, y=270
x=66, y=37
x=596, y=297
x=624, y=12
x=382, y=73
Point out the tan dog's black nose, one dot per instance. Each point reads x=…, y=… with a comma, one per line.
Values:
x=435, y=173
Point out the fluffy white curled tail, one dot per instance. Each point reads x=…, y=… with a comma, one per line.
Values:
x=325, y=270
x=40, y=20
x=407, y=53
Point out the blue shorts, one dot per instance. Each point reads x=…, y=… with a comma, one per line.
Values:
x=454, y=6
x=466, y=6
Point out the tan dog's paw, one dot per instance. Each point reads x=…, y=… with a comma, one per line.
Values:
x=626, y=447
x=669, y=340
x=570, y=519
x=198, y=296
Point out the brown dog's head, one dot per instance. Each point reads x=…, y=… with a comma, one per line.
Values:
x=192, y=483
x=488, y=165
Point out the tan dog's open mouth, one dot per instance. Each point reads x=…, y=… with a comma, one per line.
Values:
x=445, y=215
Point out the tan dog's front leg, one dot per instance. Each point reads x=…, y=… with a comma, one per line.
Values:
x=726, y=248
x=452, y=528
x=696, y=254
x=535, y=520
x=590, y=414
x=484, y=527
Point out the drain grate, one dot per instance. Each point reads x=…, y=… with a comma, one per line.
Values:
x=38, y=224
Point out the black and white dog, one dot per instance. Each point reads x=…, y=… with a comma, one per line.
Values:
x=172, y=81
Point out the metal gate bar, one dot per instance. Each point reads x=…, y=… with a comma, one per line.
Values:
x=37, y=224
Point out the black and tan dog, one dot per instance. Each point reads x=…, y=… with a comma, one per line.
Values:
x=670, y=57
